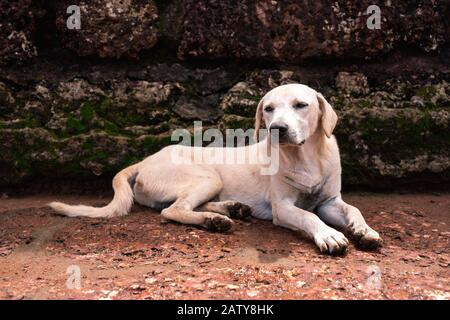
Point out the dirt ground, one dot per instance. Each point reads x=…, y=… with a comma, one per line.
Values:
x=138, y=257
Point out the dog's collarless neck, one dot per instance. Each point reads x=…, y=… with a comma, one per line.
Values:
x=301, y=179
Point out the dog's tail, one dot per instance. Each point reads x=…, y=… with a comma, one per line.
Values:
x=119, y=206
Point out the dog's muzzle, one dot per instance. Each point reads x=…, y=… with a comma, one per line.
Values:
x=279, y=129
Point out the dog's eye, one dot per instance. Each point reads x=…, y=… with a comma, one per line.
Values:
x=268, y=109
x=300, y=105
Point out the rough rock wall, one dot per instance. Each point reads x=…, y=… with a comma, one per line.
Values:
x=293, y=30
x=16, y=31
x=85, y=103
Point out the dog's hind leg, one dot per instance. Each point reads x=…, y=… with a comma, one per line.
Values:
x=229, y=208
x=198, y=193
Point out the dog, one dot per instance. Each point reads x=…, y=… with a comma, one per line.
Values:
x=304, y=194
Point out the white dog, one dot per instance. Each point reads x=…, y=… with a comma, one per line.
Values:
x=303, y=195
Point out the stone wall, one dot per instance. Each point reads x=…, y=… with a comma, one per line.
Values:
x=78, y=104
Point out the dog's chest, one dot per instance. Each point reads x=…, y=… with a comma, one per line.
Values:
x=310, y=200
x=309, y=187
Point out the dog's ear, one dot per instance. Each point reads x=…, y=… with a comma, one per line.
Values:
x=258, y=120
x=329, y=117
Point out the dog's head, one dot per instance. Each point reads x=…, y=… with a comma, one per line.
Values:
x=295, y=112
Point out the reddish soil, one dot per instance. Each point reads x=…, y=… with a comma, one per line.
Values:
x=138, y=257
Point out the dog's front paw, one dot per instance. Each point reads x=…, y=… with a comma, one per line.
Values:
x=366, y=237
x=331, y=241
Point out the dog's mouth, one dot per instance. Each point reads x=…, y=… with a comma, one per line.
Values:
x=282, y=140
x=292, y=139
x=291, y=143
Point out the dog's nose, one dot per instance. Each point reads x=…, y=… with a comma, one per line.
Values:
x=281, y=127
